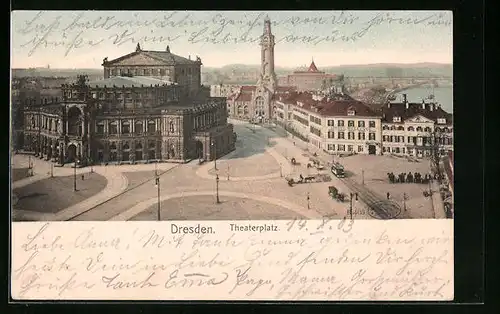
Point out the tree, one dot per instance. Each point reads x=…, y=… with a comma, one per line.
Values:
x=437, y=142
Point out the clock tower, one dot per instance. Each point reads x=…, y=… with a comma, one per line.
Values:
x=267, y=77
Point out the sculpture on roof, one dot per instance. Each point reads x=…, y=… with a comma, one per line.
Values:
x=198, y=59
x=168, y=49
x=105, y=60
x=138, y=47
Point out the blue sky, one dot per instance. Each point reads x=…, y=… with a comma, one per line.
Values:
x=81, y=39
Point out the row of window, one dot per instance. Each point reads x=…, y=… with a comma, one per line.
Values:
x=315, y=120
x=134, y=95
x=351, y=135
x=301, y=111
x=315, y=131
x=47, y=123
x=153, y=72
x=342, y=148
x=396, y=150
x=126, y=146
x=418, y=129
x=414, y=140
x=125, y=127
x=350, y=123
x=300, y=119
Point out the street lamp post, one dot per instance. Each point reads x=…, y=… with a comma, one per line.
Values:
x=350, y=202
x=363, y=177
x=157, y=183
x=281, y=171
x=51, y=170
x=217, y=188
x=74, y=177
x=227, y=172
x=404, y=201
x=308, y=201
x=91, y=166
x=213, y=144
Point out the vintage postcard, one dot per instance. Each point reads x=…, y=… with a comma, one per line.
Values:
x=223, y=155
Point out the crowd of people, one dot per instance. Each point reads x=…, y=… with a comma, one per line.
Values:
x=409, y=178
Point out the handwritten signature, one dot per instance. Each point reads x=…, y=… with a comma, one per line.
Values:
x=87, y=30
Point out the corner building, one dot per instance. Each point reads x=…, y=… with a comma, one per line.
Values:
x=149, y=107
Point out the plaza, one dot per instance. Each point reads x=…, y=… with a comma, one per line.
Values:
x=250, y=184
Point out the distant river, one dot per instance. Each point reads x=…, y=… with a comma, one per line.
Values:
x=442, y=95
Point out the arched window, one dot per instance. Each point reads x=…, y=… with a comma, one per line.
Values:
x=400, y=128
x=427, y=129
x=138, y=127
x=438, y=129
x=74, y=121
x=151, y=127
x=410, y=128
x=245, y=110
x=385, y=127
x=126, y=146
x=419, y=129
x=393, y=128
x=125, y=127
x=259, y=106
x=172, y=127
x=445, y=130
x=138, y=146
x=112, y=146
x=113, y=128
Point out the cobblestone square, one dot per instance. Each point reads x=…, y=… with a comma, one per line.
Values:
x=51, y=195
x=206, y=208
x=19, y=174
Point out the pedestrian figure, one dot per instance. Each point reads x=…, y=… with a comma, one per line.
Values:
x=388, y=195
x=293, y=143
x=83, y=177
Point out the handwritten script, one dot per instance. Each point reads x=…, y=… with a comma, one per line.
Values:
x=71, y=31
x=305, y=260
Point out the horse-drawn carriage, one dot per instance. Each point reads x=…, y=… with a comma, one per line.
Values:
x=335, y=194
x=301, y=179
x=313, y=162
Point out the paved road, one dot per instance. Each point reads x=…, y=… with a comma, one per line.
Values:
x=259, y=150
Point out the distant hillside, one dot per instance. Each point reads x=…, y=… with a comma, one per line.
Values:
x=357, y=70
x=45, y=72
x=236, y=73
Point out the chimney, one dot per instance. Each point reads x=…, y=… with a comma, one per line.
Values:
x=423, y=104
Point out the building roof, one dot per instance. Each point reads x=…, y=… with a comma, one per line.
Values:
x=127, y=81
x=336, y=105
x=430, y=111
x=244, y=97
x=165, y=57
x=248, y=88
x=312, y=67
x=285, y=89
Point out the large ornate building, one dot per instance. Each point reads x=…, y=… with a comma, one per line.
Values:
x=149, y=107
x=338, y=124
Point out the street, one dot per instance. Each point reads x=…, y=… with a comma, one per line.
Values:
x=251, y=185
